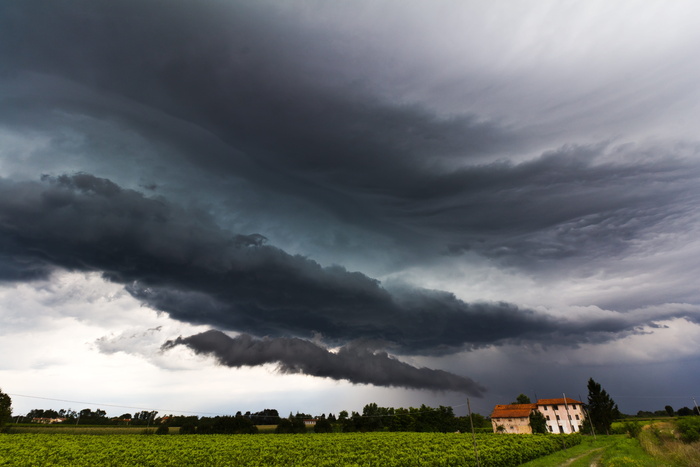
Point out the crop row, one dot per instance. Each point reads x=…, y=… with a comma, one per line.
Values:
x=347, y=449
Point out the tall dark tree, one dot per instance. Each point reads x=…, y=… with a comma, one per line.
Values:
x=602, y=410
x=323, y=425
x=5, y=408
x=670, y=411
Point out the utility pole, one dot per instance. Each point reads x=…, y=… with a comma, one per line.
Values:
x=566, y=406
x=471, y=422
x=588, y=417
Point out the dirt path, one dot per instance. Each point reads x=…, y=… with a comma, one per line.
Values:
x=594, y=459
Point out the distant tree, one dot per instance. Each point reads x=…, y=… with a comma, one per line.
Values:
x=265, y=417
x=284, y=426
x=188, y=429
x=350, y=424
x=601, y=408
x=374, y=418
x=291, y=424
x=685, y=412
x=233, y=425
x=5, y=408
x=522, y=399
x=481, y=423
x=538, y=423
x=144, y=418
x=669, y=411
x=323, y=425
x=163, y=430
x=402, y=420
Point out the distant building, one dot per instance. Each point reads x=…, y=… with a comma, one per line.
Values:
x=562, y=416
x=47, y=420
x=310, y=422
x=512, y=418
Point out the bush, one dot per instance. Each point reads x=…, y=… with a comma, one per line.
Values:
x=689, y=429
x=162, y=430
x=188, y=429
x=629, y=428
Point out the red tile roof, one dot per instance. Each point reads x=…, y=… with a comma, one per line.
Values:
x=513, y=411
x=559, y=401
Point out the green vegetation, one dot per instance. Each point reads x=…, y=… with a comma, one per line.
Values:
x=606, y=451
x=5, y=409
x=522, y=399
x=537, y=422
x=672, y=442
x=602, y=410
x=352, y=449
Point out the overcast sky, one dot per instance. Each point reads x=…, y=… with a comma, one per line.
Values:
x=232, y=205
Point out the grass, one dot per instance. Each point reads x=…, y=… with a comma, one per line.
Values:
x=607, y=451
x=661, y=441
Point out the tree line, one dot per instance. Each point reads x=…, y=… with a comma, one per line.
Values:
x=601, y=411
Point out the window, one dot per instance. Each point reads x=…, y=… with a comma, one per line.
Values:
x=558, y=418
x=550, y=428
x=554, y=407
x=547, y=417
x=577, y=417
x=573, y=406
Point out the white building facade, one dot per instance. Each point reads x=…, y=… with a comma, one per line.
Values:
x=563, y=415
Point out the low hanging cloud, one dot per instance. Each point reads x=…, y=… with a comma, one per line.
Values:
x=352, y=362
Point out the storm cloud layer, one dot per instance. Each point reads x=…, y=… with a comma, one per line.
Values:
x=353, y=363
x=181, y=262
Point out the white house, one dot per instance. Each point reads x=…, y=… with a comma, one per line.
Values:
x=562, y=415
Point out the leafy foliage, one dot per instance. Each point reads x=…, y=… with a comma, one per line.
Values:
x=689, y=428
x=538, y=423
x=522, y=399
x=5, y=408
x=355, y=449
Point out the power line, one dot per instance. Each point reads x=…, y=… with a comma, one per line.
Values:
x=111, y=405
x=98, y=404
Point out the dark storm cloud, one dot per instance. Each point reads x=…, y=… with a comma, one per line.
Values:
x=291, y=117
x=352, y=362
x=285, y=100
x=179, y=261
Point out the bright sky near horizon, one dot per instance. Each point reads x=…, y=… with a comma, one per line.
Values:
x=231, y=205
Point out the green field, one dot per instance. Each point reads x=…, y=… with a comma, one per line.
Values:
x=346, y=449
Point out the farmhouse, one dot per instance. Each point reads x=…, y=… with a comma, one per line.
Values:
x=512, y=418
x=563, y=415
